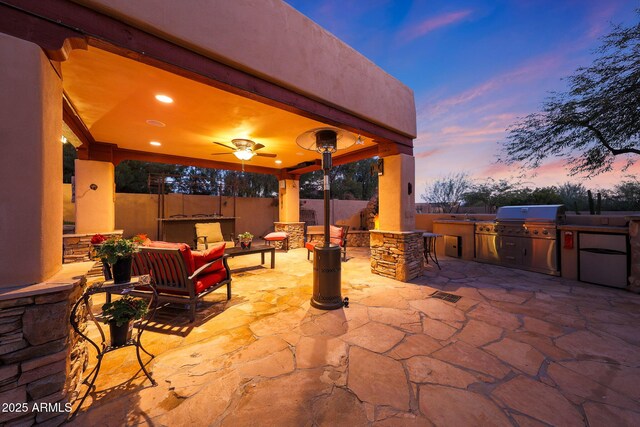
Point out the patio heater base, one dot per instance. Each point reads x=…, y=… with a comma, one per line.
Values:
x=327, y=284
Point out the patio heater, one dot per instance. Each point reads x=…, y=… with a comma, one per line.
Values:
x=326, y=257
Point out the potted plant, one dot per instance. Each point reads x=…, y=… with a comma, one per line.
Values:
x=245, y=239
x=118, y=253
x=119, y=315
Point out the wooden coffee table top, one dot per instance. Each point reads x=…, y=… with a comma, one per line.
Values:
x=254, y=249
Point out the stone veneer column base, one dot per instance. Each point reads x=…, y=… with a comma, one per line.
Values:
x=397, y=254
x=41, y=358
x=634, y=240
x=295, y=231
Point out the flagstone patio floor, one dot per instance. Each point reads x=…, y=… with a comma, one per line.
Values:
x=518, y=348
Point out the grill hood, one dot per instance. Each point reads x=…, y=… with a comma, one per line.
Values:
x=533, y=213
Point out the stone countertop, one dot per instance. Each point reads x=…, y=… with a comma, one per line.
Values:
x=461, y=221
x=612, y=229
x=68, y=277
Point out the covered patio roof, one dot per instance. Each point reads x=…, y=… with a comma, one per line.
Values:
x=114, y=97
x=289, y=76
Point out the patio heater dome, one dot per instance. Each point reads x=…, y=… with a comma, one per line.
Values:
x=327, y=268
x=326, y=139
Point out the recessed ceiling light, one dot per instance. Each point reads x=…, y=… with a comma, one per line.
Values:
x=278, y=162
x=157, y=123
x=164, y=98
x=156, y=143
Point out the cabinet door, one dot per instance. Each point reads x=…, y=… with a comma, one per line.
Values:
x=540, y=255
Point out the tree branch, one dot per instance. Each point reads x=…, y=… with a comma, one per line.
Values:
x=603, y=141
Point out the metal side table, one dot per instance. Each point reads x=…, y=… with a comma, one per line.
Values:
x=430, y=247
x=118, y=289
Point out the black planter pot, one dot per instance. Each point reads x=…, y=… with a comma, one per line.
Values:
x=245, y=245
x=119, y=334
x=122, y=270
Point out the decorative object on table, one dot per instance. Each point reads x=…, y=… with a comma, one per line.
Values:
x=118, y=253
x=245, y=240
x=120, y=314
x=141, y=239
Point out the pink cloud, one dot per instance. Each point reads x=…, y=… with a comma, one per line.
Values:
x=428, y=153
x=431, y=24
x=534, y=69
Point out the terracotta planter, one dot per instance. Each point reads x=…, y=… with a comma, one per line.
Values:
x=119, y=334
x=122, y=270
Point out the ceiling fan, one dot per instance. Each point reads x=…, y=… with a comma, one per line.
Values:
x=243, y=149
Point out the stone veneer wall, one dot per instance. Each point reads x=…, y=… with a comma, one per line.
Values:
x=358, y=238
x=398, y=255
x=76, y=247
x=634, y=240
x=295, y=231
x=41, y=359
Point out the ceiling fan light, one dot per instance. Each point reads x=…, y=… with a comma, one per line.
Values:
x=244, y=154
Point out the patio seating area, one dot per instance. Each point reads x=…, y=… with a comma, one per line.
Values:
x=518, y=348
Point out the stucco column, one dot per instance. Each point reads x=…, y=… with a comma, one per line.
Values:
x=30, y=165
x=396, y=193
x=94, y=196
x=397, y=248
x=289, y=196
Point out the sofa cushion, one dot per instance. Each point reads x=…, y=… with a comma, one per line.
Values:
x=210, y=229
x=185, y=251
x=335, y=236
x=276, y=236
x=200, y=258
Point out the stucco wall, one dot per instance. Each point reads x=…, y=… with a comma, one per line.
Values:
x=95, y=196
x=30, y=165
x=137, y=213
x=272, y=40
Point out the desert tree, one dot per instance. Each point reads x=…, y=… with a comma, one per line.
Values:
x=448, y=192
x=595, y=121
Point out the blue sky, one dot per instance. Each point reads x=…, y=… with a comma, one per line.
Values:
x=475, y=66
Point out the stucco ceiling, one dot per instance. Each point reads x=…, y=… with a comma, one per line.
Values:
x=115, y=98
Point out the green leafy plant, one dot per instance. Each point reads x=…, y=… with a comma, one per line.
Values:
x=124, y=310
x=245, y=236
x=116, y=248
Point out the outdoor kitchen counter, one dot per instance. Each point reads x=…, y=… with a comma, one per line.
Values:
x=613, y=229
x=569, y=253
x=456, y=227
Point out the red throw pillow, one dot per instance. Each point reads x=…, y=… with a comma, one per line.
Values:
x=185, y=251
x=336, y=235
x=200, y=258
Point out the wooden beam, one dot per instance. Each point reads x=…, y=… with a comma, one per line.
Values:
x=354, y=156
x=75, y=123
x=391, y=149
x=120, y=154
x=55, y=39
x=305, y=167
x=69, y=20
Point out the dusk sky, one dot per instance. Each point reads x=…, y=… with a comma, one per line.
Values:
x=475, y=66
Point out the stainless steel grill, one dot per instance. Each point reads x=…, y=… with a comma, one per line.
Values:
x=522, y=237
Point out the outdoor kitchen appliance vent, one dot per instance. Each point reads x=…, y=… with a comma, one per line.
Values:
x=445, y=296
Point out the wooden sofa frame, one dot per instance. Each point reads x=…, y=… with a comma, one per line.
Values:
x=169, y=275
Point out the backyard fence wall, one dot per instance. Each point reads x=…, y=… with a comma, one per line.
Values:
x=137, y=213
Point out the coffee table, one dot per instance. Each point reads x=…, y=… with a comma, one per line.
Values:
x=254, y=249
